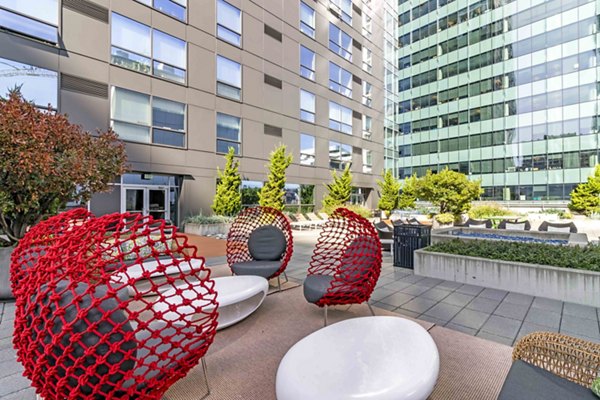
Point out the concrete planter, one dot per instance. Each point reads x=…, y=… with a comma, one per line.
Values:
x=5, y=290
x=207, y=229
x=573, y=285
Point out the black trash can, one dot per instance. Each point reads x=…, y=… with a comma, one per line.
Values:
x=407, y=239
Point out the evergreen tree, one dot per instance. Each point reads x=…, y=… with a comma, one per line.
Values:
x=451, y=191
x=585, y=198
x=339, y=190
x=390, y=192
x=408, y=197
x=271, y=194
x=228, y=199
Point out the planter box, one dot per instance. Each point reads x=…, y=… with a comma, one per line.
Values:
x=566, y=284
x=206, y=229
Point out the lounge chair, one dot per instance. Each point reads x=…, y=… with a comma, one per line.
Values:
x=515, y=225
x=316, y=220
x=386, y=235
x=568, y=227
x=478, y=223
x=297, y=221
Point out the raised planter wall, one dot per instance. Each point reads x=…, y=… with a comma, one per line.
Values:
x=206, y=229
x=573, y=285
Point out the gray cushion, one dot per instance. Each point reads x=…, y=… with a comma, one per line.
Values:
x=315, y=287
x=259, y=268
x=266, y=243
x=528, y=382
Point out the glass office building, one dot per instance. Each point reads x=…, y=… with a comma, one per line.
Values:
x=505, y=91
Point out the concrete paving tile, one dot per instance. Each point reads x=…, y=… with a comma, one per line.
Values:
x=502, y=326
x=13, y=383
x=443, y=311
x=415, y=290
x=433, y=320
x=529, y=327
x=580, y=311
x=495, y=338
x=545, y=318
x=7, y=354
x=472, y=290
x=419, y=305
x=384, y=281
x=26, y=394
x=518, y=298
x=458, y=299
x=397, y=285
x=384, y=306
x=449, y=285
x=8, y=368
x=435, y=294
x=397, y=299
x=412, y=278
x=470, y=318
x=460, y=328
x=379, y=294
x=509, y=310
x=577, y=335
x=548, y=304
x=581, y=326
x=431, y=282
x=493, y=294
x=482, y=304
x=407, y=313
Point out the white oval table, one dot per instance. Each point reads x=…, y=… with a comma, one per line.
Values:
x=383, y=358
x=238, y=297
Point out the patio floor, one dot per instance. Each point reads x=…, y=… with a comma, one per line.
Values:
x=491, y=314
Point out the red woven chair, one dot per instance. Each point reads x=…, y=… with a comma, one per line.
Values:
x=82, y=336
x=260, y=243
x=346, y=262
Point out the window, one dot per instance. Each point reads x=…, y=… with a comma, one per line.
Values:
x=229, y=130
x=307, y=106
x=367, y=96
x=340, y=155
x=367, y=156
x=343, y=8
x=340, y=118
x=229, y=78
x=367, y=126
x=38, y=19
x=140, y=48
x=229, y=23
x=367, y=64
x=340, y=42
x=174, y=8
x=307, y=63
x=340, y=80
x=307, y=149
x=138, y=117
x=367, y=25
x=307, y=20
x=37, y=85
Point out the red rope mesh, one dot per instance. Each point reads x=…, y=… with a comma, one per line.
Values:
x=245, y=223
x=349, y=250
x=92, y=330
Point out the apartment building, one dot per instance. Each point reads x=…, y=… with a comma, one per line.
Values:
x=505, y=91
x=181, y=81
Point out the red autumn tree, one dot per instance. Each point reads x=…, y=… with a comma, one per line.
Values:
x=46, y=161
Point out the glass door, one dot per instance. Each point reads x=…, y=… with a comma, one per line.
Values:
x=157, y=203
x=134, y=201
x=146, y=200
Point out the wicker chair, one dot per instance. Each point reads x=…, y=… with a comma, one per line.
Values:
x=552, y=366
x=260, y=243
x=79, y=334
x=346, y=262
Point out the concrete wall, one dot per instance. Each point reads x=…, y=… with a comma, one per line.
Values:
x=577, y=286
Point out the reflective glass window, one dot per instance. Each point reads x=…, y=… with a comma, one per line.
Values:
x=229, y=23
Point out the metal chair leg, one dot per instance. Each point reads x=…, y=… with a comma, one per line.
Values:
x=286, y=278
x=205, y=370
x=325, y=315
x=371, y=308
x=279, y=283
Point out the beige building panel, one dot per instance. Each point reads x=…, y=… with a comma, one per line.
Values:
x=88, y=111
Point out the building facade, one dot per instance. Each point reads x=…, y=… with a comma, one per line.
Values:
x=505, y=91
x=181, y=81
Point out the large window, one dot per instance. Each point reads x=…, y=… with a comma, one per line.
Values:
x=367, y=95
x=340, y=155
x=340, y=42
x=340, y=80
x=174, y=8
x=307, y=20
x=229, y=23
x=367, y=156
x=140, y=48
x=367, y=126
x=138, y=117
x=229, y=78
x=367, y=25
x=229, y=133
x=340, y=118
x=307, y=63
x=307, y=106
x=37, y=85
x=344, y=8
x=367, y=56
x=38, y=19
x=307, y=149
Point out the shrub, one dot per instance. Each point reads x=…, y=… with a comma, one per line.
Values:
x=208, y=219
x=445, y=218
x=451, y=191
x=272, y=193
x=565, y=215
x=358, y=209
x=484, y=211
x=408, y=197
x=339, y=190
x=587, y=258
x=228, y=199
x=390, y=192
x=585, y=198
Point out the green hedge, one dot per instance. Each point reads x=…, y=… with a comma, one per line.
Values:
x=587, y=258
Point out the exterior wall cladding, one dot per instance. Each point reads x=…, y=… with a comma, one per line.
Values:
x=503, y=90
x=182, y=80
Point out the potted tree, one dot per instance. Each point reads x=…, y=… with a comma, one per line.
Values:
x=46, y=162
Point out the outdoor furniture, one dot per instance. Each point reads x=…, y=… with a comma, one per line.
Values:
x=239, y=296
x=566, y=227
x=300, y=222
x=371, y=358
x=346, y=262
x=260, y=243
x=316, y=220
x=515, y=225
x=478, y=223
x=386, y=235
x=79, y=334
x=552, y=366
x=324, y=216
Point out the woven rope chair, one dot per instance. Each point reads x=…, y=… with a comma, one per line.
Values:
x=260, y=243
x=346, y=262
x=82, y=336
